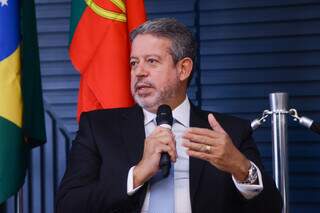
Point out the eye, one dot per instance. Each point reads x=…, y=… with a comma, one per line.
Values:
x=133, y=63
x=152, y=60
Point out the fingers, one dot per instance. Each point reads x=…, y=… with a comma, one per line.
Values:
x=215, y=132
x=197, y=147
x=198, y=138
x=166, y=137
x=160, y=131
x=204, y=132
x=200, y=155
x=162, y=140
x=215, y=124
x=161, y=148
x=167, y=144
x=207, y=136
x=159, y=141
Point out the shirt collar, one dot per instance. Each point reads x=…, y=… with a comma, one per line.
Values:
x=181, y=113
x=148, y=116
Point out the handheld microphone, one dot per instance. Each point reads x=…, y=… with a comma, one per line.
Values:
x=164, y=119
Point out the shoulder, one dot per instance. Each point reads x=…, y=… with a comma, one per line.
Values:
x=108, y=122
x=103, y=114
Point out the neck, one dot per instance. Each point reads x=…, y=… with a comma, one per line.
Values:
x=173, y=104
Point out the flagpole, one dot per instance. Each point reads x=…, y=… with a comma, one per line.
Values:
x=18, y=201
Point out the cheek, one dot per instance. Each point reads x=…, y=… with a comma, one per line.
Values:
x=158, y=81
x=132, y=81
x=170, y=78
x=131, y=74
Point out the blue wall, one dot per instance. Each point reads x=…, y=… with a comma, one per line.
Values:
x=248, y=49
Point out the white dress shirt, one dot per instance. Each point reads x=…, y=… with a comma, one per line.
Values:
x=181, y=116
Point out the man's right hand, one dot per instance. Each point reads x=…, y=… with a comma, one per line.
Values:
x=160, y=140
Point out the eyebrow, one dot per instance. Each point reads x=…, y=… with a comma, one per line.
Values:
x=153, y=55
x=146, y=56
x=133, y=57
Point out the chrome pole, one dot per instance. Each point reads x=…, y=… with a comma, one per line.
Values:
x=279, y=108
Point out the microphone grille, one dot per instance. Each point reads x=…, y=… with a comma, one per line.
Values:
x=164, y=115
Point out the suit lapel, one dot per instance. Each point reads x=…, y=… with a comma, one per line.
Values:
x=133, y=134
x=196, y=165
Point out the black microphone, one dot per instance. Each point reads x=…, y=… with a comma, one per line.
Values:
x=164, y=119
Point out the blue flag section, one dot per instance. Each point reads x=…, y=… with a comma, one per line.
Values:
x=9, y=27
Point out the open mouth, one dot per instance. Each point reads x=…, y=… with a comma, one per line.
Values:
x=143, y=89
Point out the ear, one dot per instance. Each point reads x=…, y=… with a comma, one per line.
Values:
x=184, y=68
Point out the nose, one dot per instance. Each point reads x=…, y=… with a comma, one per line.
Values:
x=140, y=70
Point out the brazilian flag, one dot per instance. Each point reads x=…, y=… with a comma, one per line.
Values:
x=21, y=108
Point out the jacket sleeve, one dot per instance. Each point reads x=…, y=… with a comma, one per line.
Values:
x=82, y=189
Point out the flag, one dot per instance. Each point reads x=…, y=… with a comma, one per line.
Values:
x=99, y=50
x=21, y=108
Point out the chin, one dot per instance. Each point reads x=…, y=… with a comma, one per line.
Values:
x=148, y=103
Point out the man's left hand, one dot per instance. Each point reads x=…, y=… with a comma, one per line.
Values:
x=215, y=146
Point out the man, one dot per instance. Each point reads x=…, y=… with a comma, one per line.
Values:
x=114, y=162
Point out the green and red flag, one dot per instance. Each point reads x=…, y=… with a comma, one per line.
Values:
x=21, y=108
x=99, y=50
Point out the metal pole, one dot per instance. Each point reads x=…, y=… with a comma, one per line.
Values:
x=18, y=201
x=279, y=108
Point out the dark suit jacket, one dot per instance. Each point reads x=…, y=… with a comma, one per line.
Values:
x=110, y=142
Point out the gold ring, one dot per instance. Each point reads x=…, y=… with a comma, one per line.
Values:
x=207, y=148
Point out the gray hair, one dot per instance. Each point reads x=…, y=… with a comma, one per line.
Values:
x=183, y=43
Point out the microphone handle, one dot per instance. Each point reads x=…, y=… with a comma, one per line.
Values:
x=165, y=164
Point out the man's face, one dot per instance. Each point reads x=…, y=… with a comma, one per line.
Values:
x=154, y=76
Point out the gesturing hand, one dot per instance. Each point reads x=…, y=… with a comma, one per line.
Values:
x=215, y=146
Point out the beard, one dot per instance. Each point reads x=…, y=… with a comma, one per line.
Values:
x=157, y=96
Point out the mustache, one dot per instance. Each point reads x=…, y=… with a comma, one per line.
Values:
x=142, y=83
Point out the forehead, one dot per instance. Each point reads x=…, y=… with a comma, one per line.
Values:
x=147, y=44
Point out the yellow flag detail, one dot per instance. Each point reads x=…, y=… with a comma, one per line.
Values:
x=120, y=4
x=107, y=13
x=10, y=88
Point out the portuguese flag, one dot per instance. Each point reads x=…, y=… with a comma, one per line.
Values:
x=99, y=50
x=21, y=108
